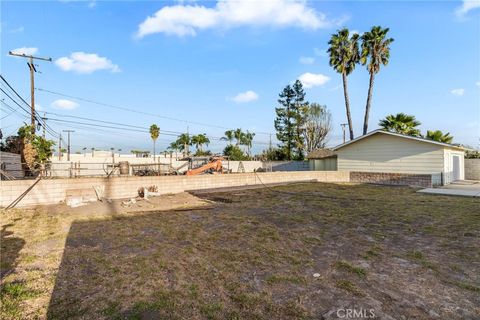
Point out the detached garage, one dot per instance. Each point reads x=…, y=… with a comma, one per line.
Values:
x=385, y=152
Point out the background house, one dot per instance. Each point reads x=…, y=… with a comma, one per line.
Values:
x=383, y=151
x=322, y=160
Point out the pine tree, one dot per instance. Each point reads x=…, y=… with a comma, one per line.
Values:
x=299, y=108
x=284, y=121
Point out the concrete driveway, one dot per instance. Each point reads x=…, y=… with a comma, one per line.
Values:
x=465, y=188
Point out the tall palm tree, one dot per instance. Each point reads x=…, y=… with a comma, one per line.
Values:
x=229, y=136
x=344, y=55
x=375, y=52
x=247, y=140
x=401, y=123
x=439, y=136
x=238, y=134
x=199, y=140
x=154, y=134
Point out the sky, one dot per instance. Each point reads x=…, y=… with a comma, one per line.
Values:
x=210, y=66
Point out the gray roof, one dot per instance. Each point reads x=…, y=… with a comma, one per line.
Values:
x=321, y=154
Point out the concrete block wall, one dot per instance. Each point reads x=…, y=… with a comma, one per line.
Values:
x=472, y=169
x=398, y=179
x=286, y=166
x=52, y=191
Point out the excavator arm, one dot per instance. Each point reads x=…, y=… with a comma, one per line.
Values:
x=216, y=165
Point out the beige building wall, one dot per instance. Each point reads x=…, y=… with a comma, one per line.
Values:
x=385, y=153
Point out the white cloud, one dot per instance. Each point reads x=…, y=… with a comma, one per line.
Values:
x=458, y=92
x=17, y=30
x=82, y=62
x=187, y=20
x=29, y=51
x=64, y=104
x=320, y=52
x=477, y=83
x=354, y=32
x=243, y=97
x=467, y=5
x=336, y=87
x=306, y=60
x=310, y=80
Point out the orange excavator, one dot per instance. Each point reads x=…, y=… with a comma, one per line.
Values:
x=213, y=166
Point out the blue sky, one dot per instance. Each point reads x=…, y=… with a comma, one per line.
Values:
x=224, y=63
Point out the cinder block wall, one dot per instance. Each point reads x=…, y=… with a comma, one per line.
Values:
x=472, y=169
x=52, y=191
x=397, y=179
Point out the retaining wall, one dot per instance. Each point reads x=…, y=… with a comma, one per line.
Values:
x=397, y=179
x=52, y=191
x=472, y=169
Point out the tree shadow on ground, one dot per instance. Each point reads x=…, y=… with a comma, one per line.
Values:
x=10, y=250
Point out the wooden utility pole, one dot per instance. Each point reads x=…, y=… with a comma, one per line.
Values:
x=60, y=148
x=32, y=68
x=44, y=118
x=68, y=143
x=343, y=128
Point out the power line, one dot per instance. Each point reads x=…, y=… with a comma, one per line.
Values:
x=136, y=111
x=36, y=115
x=133, y=127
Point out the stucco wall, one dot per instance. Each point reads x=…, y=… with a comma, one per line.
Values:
x=472, y=169
x=51, y=191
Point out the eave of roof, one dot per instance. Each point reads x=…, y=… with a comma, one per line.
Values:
x=371, y=133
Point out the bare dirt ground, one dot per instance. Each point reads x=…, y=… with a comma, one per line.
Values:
x=302, y=251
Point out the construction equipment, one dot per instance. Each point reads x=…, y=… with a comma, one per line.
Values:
x=213, y=166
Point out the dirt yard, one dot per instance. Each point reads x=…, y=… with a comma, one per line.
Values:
x=303, y=251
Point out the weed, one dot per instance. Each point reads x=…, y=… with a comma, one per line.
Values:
x=212, y=310
x=349, y=286
x=344, y=265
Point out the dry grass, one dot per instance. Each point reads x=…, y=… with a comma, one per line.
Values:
x=252, y=256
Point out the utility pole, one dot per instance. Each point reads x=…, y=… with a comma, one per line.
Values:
x=32, y=68
x=270, y=142
x=68, y=143
x=44, y=118
x=343, y=129
x=60, y=148
x=186, y=145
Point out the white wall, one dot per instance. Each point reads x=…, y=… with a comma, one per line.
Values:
x=448, y=164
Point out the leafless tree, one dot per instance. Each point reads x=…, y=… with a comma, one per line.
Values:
x=318, y=124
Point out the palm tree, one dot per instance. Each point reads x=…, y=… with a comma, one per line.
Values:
x=154, y=133
x=238, y=134
x=247, y=139
x=199, y=140
x=375, y=52
x=229, y=136
x=439, y=136
x=344, y=56
x=401, y=123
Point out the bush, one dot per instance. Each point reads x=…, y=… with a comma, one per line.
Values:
x=273, y=154
x=472, y=155
x=234, y=153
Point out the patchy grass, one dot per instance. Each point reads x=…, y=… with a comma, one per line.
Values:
x=347, y=266
x=255, y=254
x=349, y=286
